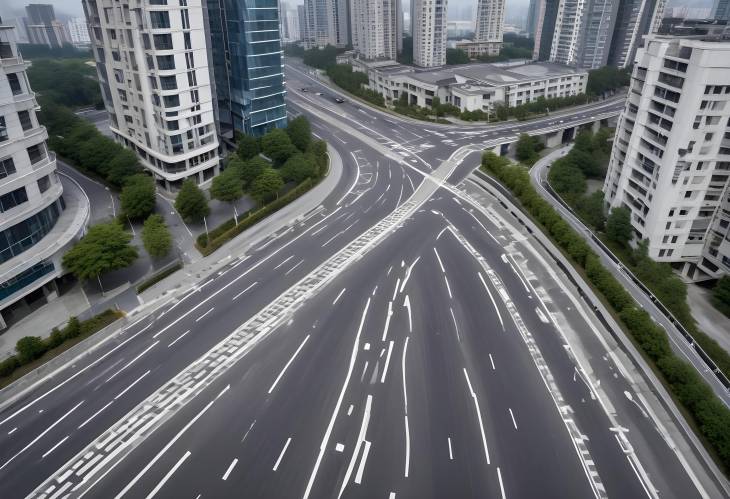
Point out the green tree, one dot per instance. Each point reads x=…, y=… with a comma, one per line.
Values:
x=105, y=247
x=298, y=168
x=124, y=164
x=252, y=169
x=520, y=112
x=618, y=226
x=247, y=146
x=277, y=146
x=525, y=149
x=456, y=56
x=228, y=187
x=607, y=78
x=300, y=133
x=501, y=111
x=266, y=185
x=29, y=348
x=156, y=236
x=592, y=211
x=721, y=295
x=567, y=179
x=191, y=203
x=138, y=196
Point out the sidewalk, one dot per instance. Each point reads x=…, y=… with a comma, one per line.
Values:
x=119, y=293
x=709, y=319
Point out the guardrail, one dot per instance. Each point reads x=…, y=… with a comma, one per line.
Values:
x=706, y=359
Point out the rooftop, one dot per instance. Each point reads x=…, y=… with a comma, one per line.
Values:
x=492, y=74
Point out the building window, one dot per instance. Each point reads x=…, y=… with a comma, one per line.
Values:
x=25, y=278
x=13, y=199
x=44, y=183
x=15, y=83
x=25, y=122
x=165, y=62
x=168, y=82
x=171, y=100
x=6, y=51
x=7, y=167
x=163, y=42
x=159, y=20
x=3, y=130
x=36, y=153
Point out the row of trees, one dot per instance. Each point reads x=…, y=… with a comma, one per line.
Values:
x=68, y=81
x=528, y=148
x=607, y=79
x=353, y=81
x=711, y=416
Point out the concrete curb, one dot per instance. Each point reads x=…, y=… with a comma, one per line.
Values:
x=653, y=384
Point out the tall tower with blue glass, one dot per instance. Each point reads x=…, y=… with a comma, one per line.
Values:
x=248, y=65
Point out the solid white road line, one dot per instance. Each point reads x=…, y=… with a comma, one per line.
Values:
x=387, y=320
x=451, y=452
x=165, y=448
x=501, y=485
x=248, y=431
x=41, y=435
x=387, y=362
x=201, y=317
x=294, y=267
x=479, y=416
x=403, y=368
x=408, y=449
x=408, y=274
x=358, y=444
x=54, y=447
x=492, y=298
x=178, y=338
x=328, y=432
x=448, y=288
x=230, y=468
x=407, y=304
x=133, y=383
x=249, y=287
x=456, y=327
x=395, y=291
x=94, y=415
x=363, y=460
x=168, y=475
x=12, y=431
x=439, y=259
x=339, y=295
x=512, y=415
x=491, y=360
x=281, y=456
x=132, y=361
x=287, y=364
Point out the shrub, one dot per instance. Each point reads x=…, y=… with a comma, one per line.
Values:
x=30, y=348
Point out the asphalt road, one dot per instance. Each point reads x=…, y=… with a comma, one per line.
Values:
x=403, y=341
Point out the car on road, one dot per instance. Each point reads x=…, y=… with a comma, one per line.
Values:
x=304, y=89
x=320, y=94
x=339, y=100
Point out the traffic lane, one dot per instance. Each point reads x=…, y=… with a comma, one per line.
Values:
x=655, y=454
x=315, y=386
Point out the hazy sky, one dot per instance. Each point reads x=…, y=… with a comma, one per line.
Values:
x=73, y=7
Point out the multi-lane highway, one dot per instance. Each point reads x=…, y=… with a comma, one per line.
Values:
x=405, y=339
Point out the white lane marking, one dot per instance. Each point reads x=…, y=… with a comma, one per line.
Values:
x=391, y=495
x=12, y=431
x=287, y=364
x=94, y=415
x=364, y=370
x=451, y=452
x=375, y=290
x=408, y=274
x=249, y=287
x=541, y=315
x=178, y=338
x=339, y=295
x=201, y=317
x=448, y=288
x=456, y=327
x=294, y=267
x=328, y=432
x=132, y=361
x=168, y=475
x=281, y=456
x=407, y=304
x=164, y=449
x=408, y=448
x=349, y=409
x=41, y=435
x=439, y=259
x=479, y=416
x=501, y=485
x=282, y=263
x=230, y=468
x=54, y=447
x=491, y=298
x=358, y=443
x=387, y=362
x=354, y=182
x=403, y=367
x=491, y=360
x=363, y=460
x=339, y=447
x=512, y=415
x=248, y=431
x=133, y=383
x=387, y=320
x=395, y=291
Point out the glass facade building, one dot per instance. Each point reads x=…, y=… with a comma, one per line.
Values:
x=248, y=65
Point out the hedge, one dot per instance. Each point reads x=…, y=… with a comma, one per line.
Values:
x=710, y=415
x=158, y=277
x=228, y=230
x=31, y=348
